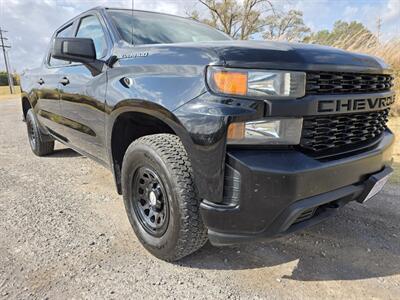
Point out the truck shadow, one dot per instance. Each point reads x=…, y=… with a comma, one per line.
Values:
x=64, y=152
x=360, y=242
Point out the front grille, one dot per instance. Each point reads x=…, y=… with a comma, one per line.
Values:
x=335, y=133
x=328, y=83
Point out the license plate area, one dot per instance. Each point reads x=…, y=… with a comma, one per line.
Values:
x=374, y=184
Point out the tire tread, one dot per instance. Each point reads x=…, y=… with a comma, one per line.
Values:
x=44, y=144
x=193, y=233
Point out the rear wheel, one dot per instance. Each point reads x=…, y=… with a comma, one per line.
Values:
x=160, y=197
x=40, y=144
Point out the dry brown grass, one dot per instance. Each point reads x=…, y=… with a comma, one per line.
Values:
x=5, y=90
x=394, y=125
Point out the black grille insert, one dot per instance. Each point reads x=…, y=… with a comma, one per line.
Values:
x=320, y=83
x=336, y=133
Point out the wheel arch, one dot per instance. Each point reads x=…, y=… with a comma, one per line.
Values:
x=25, y=104
x=151, y=118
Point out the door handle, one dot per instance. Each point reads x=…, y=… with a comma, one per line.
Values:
x=41, y=81
x=64, y=81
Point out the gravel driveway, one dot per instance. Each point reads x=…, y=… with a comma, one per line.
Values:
x=64, y=234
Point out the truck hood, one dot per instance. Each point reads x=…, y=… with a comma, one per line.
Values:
x=295, y=56
x=270, y=55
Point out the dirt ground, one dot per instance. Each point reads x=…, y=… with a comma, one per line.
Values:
x=64, y=234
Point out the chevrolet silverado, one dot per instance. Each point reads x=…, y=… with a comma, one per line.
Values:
x=210, y=138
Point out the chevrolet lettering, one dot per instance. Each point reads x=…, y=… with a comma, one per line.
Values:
x=348, y=105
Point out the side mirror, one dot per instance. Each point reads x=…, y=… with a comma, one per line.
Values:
x=74, y=49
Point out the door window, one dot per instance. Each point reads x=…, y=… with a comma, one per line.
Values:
x=65, y=32
x=90, y=27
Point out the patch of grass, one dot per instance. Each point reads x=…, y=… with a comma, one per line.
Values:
x=5, y=90
x=394, y=125
x=395, y=178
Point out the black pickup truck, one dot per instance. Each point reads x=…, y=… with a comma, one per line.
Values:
x=209, y=137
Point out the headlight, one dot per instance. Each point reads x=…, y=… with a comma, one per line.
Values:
x=285, y=131
x=268, y=84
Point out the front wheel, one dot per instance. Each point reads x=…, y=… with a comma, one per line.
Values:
x=40, y=144
x=160, y=197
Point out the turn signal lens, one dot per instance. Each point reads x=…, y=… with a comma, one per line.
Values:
x=236, y=131
x=233, y=83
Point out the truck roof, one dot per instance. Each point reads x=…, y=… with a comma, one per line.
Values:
x=104, y=8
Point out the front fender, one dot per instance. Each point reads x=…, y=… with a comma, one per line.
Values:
x=177, y=96
x=201, y=124
x=205, y=120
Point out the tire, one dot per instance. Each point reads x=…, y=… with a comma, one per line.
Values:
x=177, y=229
x=40, y=144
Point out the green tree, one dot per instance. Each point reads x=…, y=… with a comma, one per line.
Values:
x=345, y=35
x=4, y=78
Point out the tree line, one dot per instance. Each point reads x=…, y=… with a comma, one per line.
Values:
x=4, y=78
x=260, y=18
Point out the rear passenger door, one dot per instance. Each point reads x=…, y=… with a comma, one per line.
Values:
x=83, y=94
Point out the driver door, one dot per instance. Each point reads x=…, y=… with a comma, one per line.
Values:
x=82, y=95
x=48, y=106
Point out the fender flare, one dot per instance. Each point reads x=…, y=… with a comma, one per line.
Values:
x=149, y=108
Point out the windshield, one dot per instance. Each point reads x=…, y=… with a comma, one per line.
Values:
x=142, y=28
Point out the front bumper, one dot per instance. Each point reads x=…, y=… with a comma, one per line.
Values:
x=281, y=191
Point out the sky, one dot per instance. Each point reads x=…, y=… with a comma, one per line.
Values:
x=30, y=23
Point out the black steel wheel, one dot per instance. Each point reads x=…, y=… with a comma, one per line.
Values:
x=160, y=197
x=150, y=201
